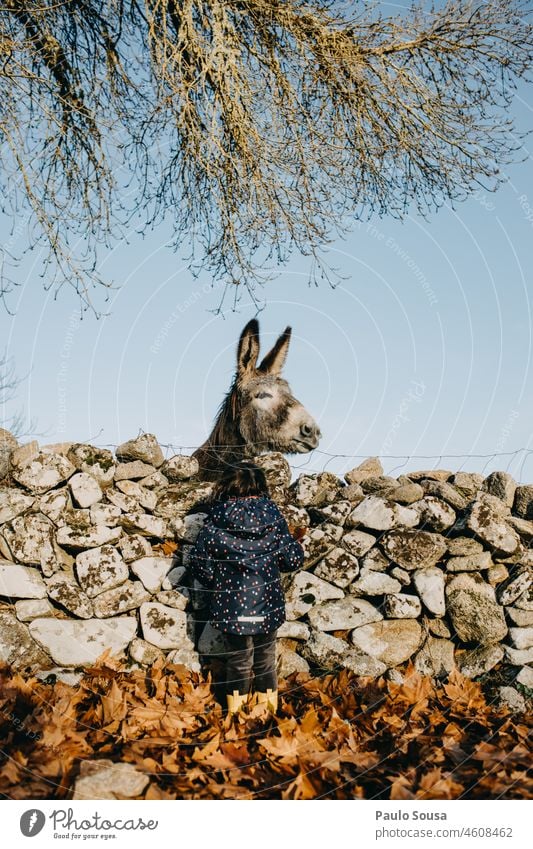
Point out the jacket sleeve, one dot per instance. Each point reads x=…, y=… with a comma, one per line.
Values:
x=201, y=563
x=291, y=552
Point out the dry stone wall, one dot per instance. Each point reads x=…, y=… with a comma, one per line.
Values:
x=432, y=566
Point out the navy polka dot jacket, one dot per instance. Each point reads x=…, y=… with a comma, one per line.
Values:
x=238, y=556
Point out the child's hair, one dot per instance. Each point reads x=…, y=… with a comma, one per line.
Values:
x=240, y=480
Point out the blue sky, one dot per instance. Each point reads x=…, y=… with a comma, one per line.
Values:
x=424, y=348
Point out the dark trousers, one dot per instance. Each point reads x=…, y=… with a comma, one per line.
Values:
x=251, y=657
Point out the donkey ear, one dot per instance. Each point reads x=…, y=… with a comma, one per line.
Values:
x=273, y=362
x=248, y=350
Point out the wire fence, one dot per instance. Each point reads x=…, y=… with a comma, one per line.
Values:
x=342, y=462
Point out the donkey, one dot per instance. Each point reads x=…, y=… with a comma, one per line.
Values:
x=259, y=413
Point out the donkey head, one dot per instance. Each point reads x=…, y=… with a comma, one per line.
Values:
x=268, y=416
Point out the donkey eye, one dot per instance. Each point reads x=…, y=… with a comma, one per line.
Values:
x=263, y=395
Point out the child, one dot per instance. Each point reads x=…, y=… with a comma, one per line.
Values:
x=238, y=555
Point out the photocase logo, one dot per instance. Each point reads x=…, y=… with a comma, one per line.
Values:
x=32, y=822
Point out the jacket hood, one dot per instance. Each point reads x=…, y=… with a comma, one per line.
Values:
x=248, y=518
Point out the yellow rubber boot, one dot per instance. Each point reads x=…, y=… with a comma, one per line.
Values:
x=270, y=698
x=236, y=700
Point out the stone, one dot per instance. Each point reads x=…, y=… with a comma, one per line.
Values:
x=276, y=468
x=127, y=596
x=497, y=574
x=85, y=489
x=144, y=653
x=133, y=547
x=154, y=481
x=33, y=608
x=17, y=646
x=65, y=590
x=185, y=656
x=524, y=527
x=296, y=517
x=438, y=628
x=8, y=443
x=174, y=598
x=435, y=658
x=511, y=699
x=429, y=584
x=180, y=499
x=72, y=642
x=98, y=462
x=79, y=539
x=375, y=560
x=402, y=606
x=132, y=471
x=357, y=543
x=335, y=513
x=13, y=503
x=304, y=590
x=338, y=567
x=468, y=483
x=490, y=526
x=511, y=589
x=144, y=497
x=522, y=618
x=463, y=546
x=105, y=514
x=18, y=581
x=369, y=468
x=518, y=657
x=435, y=514
x=329, y=652
x=318, y=542
x=521, y=638
x=174, y=577
x=289, y=662
x=180, y=467
x=59, y=673
x=476, y=616
x=353, y=493
x=525, y=601
x=294, y=630
x=152, y=571
x=432, y=475
x=31, y=540
x=44, y=472
x=406, y=493
x=475, y=662
x=391, y=641
x=23, y=455
x=103, y=779
x=525, y=677
x=375, y=513
x=470, y=562
x=100, y=569
x=315, y=490
x=382, y=485
x=414, y=549
x=55, y=504
x=164, y=627
x=502, y=485
x=444, y=491
x=124, y=503
x=145, y=448
x=401, y=575
x=341, y=614
x=144, y=524
x=191, y=527
x=374, y=583
x=523, y=501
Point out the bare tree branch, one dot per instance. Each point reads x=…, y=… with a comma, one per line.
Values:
x=256, y=127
